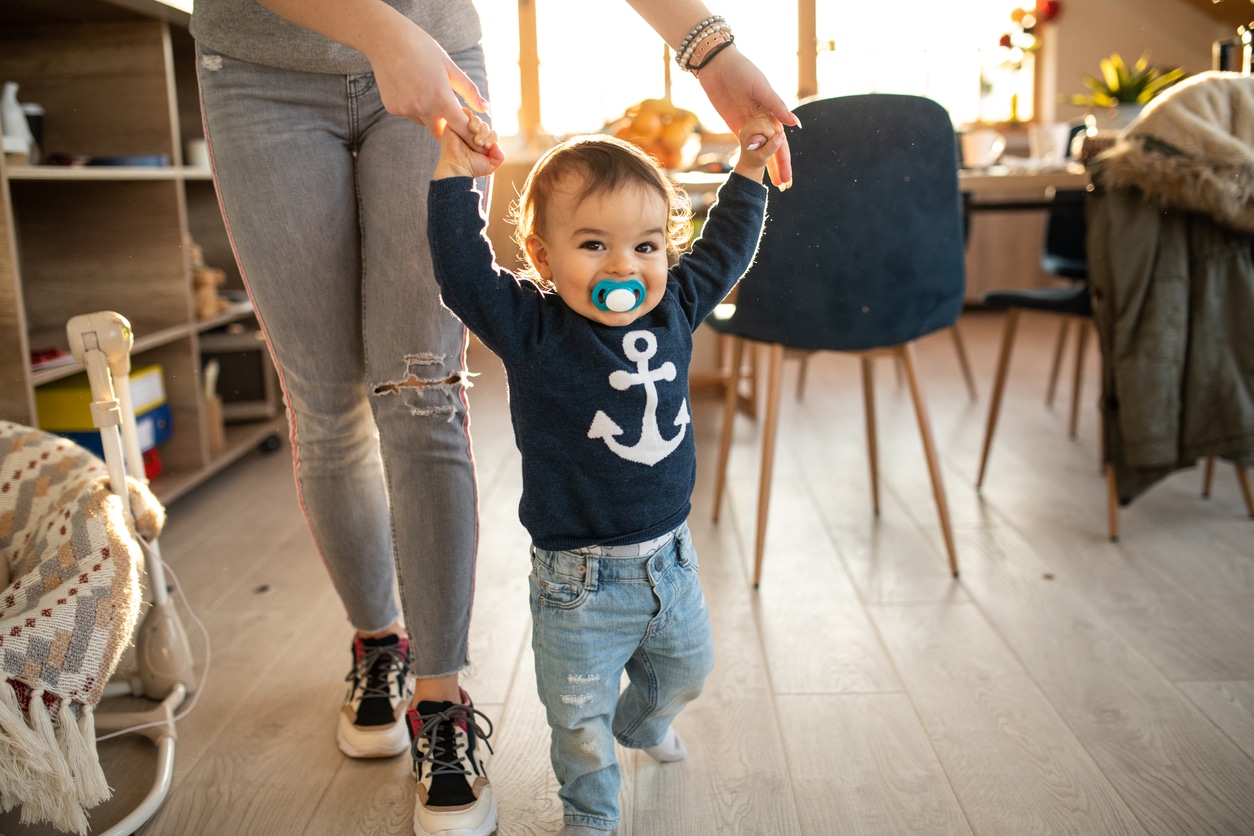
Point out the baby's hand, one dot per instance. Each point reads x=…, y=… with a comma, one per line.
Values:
x=458, y=158
x=760, y=137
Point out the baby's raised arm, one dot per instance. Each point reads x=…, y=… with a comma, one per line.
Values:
x=458, y=159
x=759, y=138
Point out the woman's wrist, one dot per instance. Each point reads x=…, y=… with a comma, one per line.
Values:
x=702, y=43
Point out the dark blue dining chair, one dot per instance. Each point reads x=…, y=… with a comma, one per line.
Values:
x=1063, y=255
x=863, y=254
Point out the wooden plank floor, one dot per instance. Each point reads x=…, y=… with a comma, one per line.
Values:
x=1065, y=684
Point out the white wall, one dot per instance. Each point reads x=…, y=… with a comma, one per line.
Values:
x=1171, y=32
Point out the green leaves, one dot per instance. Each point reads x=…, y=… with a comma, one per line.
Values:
x=1121, y=84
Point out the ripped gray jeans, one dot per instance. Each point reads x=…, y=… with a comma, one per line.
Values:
x=325, y=199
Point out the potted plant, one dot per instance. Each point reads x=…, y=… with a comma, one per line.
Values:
x=1124, y=89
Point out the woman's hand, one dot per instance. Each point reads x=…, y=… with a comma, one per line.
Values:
x=739, y=91
x=417, y=79
x=477, y=158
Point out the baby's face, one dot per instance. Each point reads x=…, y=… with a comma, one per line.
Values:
x=618, y=235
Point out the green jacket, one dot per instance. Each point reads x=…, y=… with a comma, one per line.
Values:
x=1173, y=299
x=1170, y=232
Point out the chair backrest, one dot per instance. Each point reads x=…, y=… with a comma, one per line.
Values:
x=1064, y=253
x=866, y=249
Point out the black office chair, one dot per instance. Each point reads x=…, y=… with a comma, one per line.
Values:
x=863, y=254
x=1063, y=256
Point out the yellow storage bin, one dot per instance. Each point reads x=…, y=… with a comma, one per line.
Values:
x=65, y=405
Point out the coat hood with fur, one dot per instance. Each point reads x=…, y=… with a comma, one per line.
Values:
x=1192, y=148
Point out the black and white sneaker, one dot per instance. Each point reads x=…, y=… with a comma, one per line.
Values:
x=453, y=796
x=372, y=721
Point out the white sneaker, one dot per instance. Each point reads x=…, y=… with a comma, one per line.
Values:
x=372, y=721
x=453, y=796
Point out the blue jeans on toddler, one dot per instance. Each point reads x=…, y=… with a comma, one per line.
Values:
x=596, y=612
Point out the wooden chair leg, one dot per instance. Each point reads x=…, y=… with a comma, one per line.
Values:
x=1081, y=343
x=801, y=374
x=769, y=428
x=999, y=385
x=1243, y=479
x=751, y=400
x=906, y=352
x=1112, y=503
x=1060, y=348
x=963, y=362
x=730, y=396
x=872, y=447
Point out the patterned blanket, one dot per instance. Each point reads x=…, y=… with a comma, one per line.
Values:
x=69, y=599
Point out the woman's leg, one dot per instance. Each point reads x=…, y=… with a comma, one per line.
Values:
x=282, y=145
x=282, y=150
x=415, y=380
x=325, y=200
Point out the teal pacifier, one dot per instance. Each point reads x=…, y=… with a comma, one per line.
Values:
x=618, y=297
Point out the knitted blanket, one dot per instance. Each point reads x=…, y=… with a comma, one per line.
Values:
x=69, y=599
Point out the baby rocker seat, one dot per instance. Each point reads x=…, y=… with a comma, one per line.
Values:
x=74, y=534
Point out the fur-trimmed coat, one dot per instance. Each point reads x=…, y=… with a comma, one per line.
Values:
x=1192, y=148
x=1170, y=242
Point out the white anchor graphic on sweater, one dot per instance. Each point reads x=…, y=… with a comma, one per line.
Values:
x=651, y=448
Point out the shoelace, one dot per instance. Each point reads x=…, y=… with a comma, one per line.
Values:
x=371, y=673
x=440, y=732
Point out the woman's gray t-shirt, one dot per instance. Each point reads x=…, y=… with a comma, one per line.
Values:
x=246, y=30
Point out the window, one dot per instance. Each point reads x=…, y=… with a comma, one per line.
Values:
x=597, y=59
x=917, y=46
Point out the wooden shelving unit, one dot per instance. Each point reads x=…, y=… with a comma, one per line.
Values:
x=114, y=79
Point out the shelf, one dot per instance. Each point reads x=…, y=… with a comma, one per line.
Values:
x=241, y=439
x=97, y=173
x=142, y=344
x=92, y=173
x=117, y=79
x=237, y=311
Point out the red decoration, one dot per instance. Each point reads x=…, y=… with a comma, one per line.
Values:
x=1005, y=40
x=1047, y=10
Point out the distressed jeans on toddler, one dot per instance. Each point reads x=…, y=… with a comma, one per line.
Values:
x=596, y=612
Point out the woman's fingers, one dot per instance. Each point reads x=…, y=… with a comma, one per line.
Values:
x=467, y=89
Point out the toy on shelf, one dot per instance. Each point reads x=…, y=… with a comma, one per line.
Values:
x=206, y=282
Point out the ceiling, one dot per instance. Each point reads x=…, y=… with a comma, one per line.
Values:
x=1232, y=12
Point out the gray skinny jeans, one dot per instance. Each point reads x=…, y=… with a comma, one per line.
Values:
x=325, y=199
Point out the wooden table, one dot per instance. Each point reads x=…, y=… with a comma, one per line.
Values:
x=1003, y=248
x=1001, y=189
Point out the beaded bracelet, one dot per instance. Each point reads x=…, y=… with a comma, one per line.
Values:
x=696, y=30
x=684, y=59
x=724, y=41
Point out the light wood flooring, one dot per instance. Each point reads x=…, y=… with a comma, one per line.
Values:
x=1063, y=684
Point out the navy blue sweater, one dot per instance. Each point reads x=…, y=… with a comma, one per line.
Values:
x=600, y=413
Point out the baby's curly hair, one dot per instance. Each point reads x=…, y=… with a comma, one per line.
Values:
x=603, y=163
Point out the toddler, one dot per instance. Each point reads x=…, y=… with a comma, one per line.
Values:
x=596, y=340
